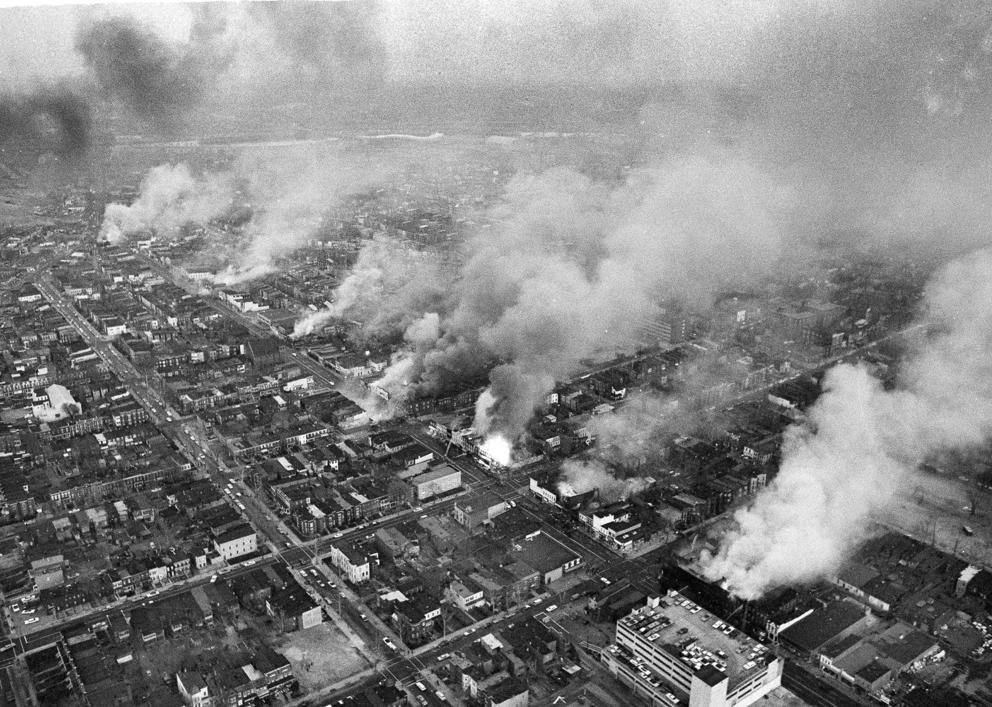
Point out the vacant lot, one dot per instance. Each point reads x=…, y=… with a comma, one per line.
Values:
x=934, y=510
x=320, y=655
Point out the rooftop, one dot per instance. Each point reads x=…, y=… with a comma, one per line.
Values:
x=697, y=638
x=543, y=553
x=822, y=625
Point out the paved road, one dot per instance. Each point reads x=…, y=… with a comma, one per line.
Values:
x=405, y=667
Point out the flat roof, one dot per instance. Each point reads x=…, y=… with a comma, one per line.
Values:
x=439, y=472
x=823, y=624
x=543, y=553
x=698, y=638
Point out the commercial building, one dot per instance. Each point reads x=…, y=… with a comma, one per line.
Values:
x=547, y=556
x=435, y=482
x=670, y=651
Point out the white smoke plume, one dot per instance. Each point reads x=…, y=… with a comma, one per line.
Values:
x=569, y=270
x=170, y=197
x=581, y=476
x=386, y=284
x=398, y=376
x=861, y=443
x=291, y=192
x=574, y=268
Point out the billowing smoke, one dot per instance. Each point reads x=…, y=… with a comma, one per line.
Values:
x=159, y=82
x=58, y=117
x=388, y=285
x=580, y=476
x=860, y=443
x=170, y=197
x=572, y=268
x=291, y=193
x=421, y=333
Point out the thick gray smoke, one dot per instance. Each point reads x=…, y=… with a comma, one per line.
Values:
x=571, y=268
x=170, y=197
x=861, y=443
x=156, y=80
x=58, y=117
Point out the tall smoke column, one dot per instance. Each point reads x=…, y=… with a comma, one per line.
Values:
x=861, y=443
x=170, y=197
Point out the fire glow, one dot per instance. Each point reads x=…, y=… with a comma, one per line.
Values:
x=499, y=449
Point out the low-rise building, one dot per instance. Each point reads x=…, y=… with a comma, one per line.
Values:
x=477, y=509
x=547, y=556
x=352, y=561
x=439, y=480
x=236, y=542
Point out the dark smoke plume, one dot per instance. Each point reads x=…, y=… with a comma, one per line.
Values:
x=153, y=79
x=57, y=117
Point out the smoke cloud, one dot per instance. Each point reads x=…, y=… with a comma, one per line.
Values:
x=291, y=193
x=386, y=289
x=572, y=267
x=580, y=476
x=57, y=117
x=170, y=197
x=860, y=443
x=638, y=430
x=156, y=80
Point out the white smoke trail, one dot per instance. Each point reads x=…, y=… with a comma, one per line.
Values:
x=860, y=443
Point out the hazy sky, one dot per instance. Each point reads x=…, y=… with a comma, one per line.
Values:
x=509, y=40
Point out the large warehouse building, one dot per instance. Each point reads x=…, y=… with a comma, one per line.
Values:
x=671, y=651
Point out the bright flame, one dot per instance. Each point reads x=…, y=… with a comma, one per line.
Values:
x=499, y=449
